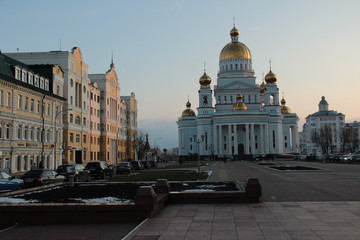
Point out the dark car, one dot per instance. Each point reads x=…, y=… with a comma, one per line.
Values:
x=136, y=165
x=9, y=182
x=40, y=177
x=81, y=174
x=99, y=169
x=124, y=167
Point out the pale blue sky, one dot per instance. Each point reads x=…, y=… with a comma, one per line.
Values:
x=160, y=47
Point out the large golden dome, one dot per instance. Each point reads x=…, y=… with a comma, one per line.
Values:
x=235, y=50
x=284, y=109
x=205, y=80
x=188, y=112
x=270, y=78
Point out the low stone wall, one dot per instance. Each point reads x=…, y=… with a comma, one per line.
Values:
x=148, y=202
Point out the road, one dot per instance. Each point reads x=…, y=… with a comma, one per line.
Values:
x=336, y=182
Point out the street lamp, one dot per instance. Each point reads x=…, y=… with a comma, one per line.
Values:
x=56, y=135
x=198, y=141
x=154, y=146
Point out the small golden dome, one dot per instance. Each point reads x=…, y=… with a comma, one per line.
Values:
x=239, y=105
x=234, y=32
x=205, y=80
x=270, y=78
x=262, y=87
x=235, y=50
x=284, y=109
x=188, y=112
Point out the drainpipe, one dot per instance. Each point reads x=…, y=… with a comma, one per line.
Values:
x=41, y=166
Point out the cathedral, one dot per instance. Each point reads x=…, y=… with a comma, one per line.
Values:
x=237, y=118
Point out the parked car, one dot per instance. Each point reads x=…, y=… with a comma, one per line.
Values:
x=99, y=169
x=136, y=165
x=356, y=157
x=346, y=158
x=40, y=177
x=80, y=172
x=145, y=164
x=124, y=167
x=8, y=182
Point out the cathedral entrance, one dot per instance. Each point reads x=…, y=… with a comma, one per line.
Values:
x=241, y=150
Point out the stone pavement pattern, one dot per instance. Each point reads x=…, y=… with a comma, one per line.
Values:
x=269, y=220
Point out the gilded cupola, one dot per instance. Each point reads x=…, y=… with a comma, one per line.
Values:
x=284, y=109
x=270, y=78
x=239, y=105
x=262, y=87
x=188, y=112
x=205, y=80
x=235, y=49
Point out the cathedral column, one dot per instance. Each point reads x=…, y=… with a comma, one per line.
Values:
x=229, y=140
x=215, y=141
x=261, y=140
x=246, y=138
x=236, y=152
x=252, y=138
x=266, y=137
x=295, y=143
x=221, y=147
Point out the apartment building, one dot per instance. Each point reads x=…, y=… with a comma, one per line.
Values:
x=31, y=123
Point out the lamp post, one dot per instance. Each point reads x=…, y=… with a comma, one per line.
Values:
x=198, y=141
x=56, y=135
x=154, y=146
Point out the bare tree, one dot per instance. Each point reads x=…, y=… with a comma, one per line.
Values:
x=323, y=138
x=349, y=137
x=140, y=143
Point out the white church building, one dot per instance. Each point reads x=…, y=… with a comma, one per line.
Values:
x=237, y=118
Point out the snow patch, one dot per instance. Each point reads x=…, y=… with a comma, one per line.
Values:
x=102, y=200
x=16, y=200
x=199, y=190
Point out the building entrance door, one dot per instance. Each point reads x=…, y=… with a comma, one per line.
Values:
x=241, y=150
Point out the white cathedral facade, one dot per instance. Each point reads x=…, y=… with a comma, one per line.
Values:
x=238, y=118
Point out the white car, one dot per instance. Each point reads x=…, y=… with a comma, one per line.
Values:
x=346, y=158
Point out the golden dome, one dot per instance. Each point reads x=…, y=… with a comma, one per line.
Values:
x=239, y=105
x=284, y=109
x=270, y=77
x=205, y=80
x=234, y=32
x=188, y=112
x=262, y=87
x=234, y=50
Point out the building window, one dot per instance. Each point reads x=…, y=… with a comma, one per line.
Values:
x=30, y=78
x=71, y=137
x=26, y=103
x=57, y=90
x=20, y=102
x=32, y=133
x=71, y=100
x=8, y=99
x=17, y=73
x=36, y=81
x=19, y=132
x=38, y=107
x=273, y=137
x=77, y=138
x=48, y=109
x=84, y=121
x=84, y=138
x=38, y=134
x=26, y=129
x=48, y=135
x=32, y=103
x=2, y=97
x=77, y=120
x=24, y=76
x=41, y=83
x=7, y=131
x=46, y=84
x=71, y=83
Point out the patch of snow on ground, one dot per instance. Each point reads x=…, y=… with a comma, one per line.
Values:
x=16, y=200
x=211, y=186
x=103, y=200
x=199, y=190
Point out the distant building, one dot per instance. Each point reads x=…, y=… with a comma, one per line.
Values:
x=352, y=133
x=317, y=121
x=31, y=108
x=237, y=118
x=131, y=125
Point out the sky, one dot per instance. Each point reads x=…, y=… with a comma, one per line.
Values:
x=160, y=46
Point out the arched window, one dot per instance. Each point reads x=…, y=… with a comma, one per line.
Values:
x=249, y=98
x=236, y=66
x=231, y=67
x=272, y=99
